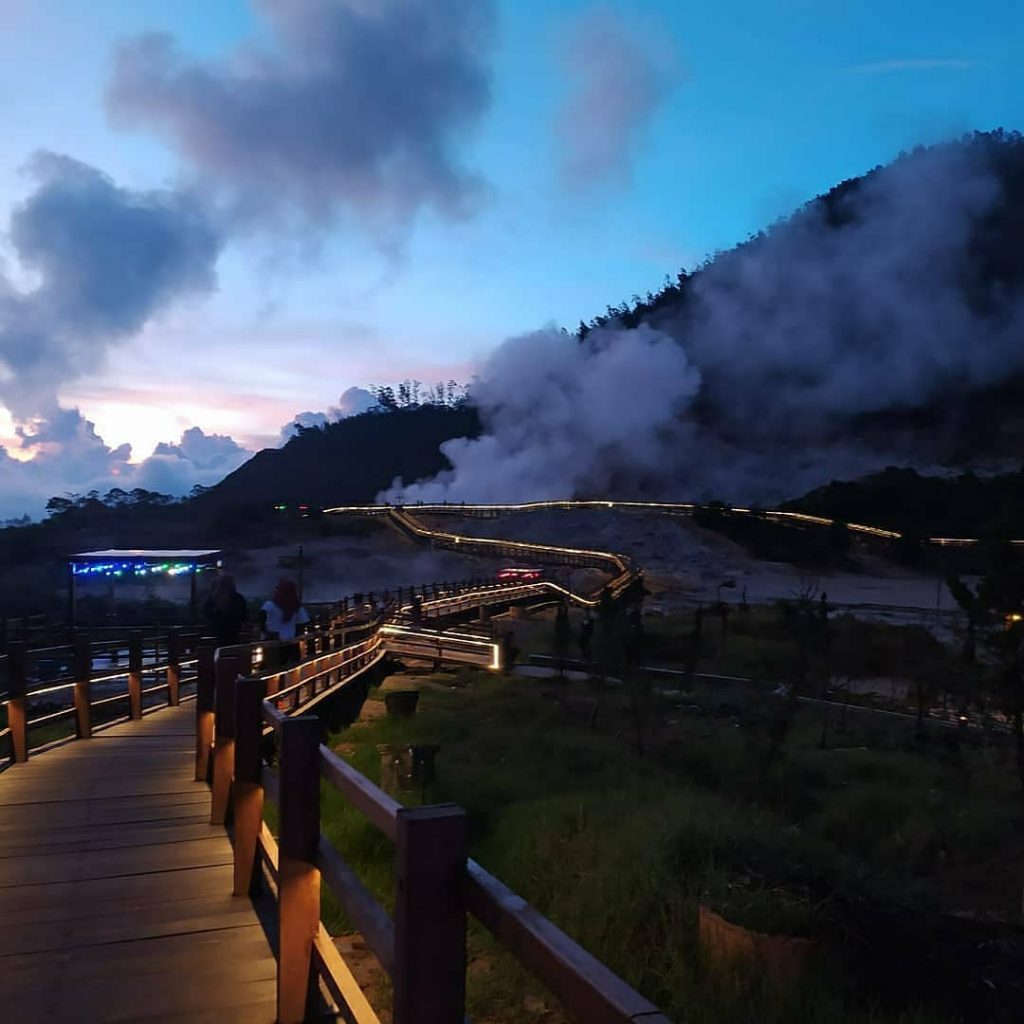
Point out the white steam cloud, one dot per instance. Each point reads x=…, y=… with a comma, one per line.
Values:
x=561, y=417
x=805, y=355
x=619, y=75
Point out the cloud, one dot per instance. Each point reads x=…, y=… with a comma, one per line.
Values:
x=66, y=450
x=302, y=419
x=68, y=455
x=885, y=67
x=619, y=76
x=355, y=106
x=197, y=458
x=106, y=259
x=352, y=402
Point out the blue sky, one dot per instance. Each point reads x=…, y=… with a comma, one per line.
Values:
x=760, y=105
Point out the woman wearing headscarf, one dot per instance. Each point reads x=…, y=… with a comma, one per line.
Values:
x=226, y=610
x=282, y=616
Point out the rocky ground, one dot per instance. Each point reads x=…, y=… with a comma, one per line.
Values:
x=685, y=564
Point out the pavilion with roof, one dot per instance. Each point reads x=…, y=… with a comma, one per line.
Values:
x=124, y=564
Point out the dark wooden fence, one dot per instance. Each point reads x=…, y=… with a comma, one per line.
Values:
x=422, y=947
x=80, y=687
x=242, y=694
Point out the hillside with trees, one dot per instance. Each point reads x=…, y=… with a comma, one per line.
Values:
x=926, y=506
x=349, y=461
x=998, y=254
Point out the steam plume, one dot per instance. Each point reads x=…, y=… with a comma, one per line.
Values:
x=814, y=352
x=357, y=106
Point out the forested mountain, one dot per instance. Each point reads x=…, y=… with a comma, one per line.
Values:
x=349, y=461
x=881, y=324
x=925, y=506
x=996, y=245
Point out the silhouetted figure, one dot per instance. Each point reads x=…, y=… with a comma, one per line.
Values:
x=636, y=591
x=635, y=636
x=509, y=650
x=282, y=618
x=562, y=636
x=586, y=638
x=225, y=610
x=416, y=614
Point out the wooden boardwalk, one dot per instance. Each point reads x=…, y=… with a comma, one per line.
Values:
x=115, y=891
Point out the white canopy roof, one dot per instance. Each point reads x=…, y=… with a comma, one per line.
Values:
x=150, y=554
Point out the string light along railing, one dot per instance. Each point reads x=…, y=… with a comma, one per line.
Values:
x=619, y=566
x=134, y=569
x=671, y=507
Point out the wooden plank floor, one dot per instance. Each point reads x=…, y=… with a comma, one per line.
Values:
x=115, y=891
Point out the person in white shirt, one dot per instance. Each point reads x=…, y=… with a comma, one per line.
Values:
x=282, y=618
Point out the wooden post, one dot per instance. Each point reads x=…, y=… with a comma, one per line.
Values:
x=81, y=663
x=72, y=609
x=135, y=675
x=173, y=668
x=17, y=720
x=430, y=915
x=298, y=875
x=248, y=795
x=271, y=656
x=223, y=739
x=205, y=686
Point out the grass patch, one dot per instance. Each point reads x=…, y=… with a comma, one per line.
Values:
x=620, y=850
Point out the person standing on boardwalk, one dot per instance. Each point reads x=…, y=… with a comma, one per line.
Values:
x=282, y=618
x=226, y=610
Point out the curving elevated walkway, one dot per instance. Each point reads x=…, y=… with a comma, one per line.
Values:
x=115, y=890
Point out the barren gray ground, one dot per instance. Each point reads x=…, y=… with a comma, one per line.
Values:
x=684, y=563
x=336, y=567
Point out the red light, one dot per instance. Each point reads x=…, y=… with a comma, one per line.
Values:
x=519, y=574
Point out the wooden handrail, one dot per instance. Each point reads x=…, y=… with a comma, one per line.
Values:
x=426, y=850
x=584, y=985
x=368, y=916
x=379, y=809
x=423, y=949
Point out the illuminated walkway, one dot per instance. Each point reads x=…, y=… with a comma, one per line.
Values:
x=115, y=891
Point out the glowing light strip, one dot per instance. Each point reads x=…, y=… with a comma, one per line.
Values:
x=615, y=586
x=434, y=641
x=653, y=506
x=604, y=556
x=135, y=569
x=278, y=674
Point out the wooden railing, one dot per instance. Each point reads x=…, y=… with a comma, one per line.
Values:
x=489, y=511
x=96, y=684
x=422, y=947
x=619, y=567
x=75, y=683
